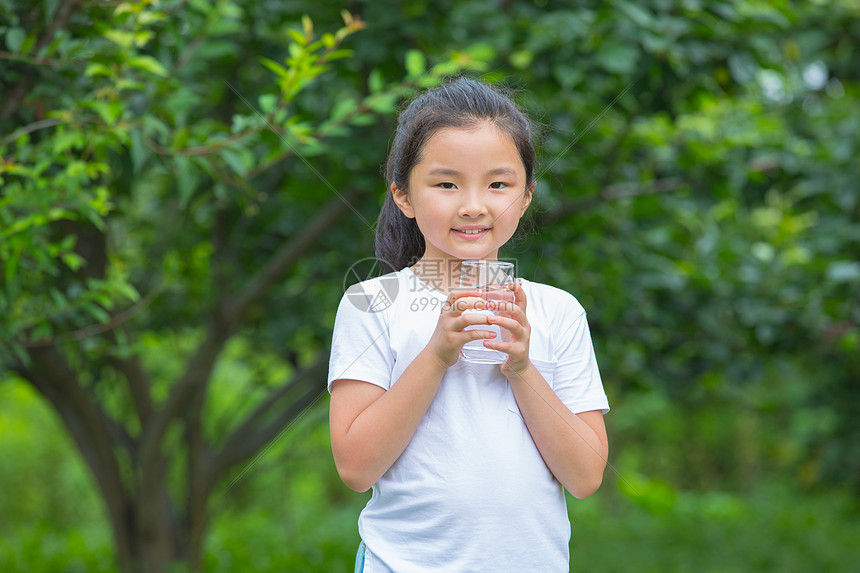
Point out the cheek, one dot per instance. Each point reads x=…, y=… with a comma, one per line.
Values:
x=431, y=217
x=510, y=209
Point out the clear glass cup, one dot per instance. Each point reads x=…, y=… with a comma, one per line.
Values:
x=493, y=280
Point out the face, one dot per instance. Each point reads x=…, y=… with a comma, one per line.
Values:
x=467, y=194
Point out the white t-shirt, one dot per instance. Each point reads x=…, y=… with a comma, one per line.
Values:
x=471, y=492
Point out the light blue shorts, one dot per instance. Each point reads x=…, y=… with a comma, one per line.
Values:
x=359, y=558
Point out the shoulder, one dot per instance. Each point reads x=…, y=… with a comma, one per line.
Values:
x=551, y=300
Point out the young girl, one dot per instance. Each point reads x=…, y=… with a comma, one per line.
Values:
x=467, y=461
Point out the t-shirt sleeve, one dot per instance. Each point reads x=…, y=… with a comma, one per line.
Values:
x=360, y=348
x=576, y=380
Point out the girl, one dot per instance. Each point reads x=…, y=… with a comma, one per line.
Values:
x=466, y=461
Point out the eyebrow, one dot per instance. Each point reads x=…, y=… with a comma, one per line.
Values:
x=454, y=172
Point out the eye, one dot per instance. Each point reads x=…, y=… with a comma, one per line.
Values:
x=498, y=185
x=447, y=185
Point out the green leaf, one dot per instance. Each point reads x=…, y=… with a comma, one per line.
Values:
x=617, y=58
x=331, y=129
x=279, y=70
x=29, y=41
x=149, y=64
x=640, y=16
x=15, y=38
x=235, y=162
x=123, y=38
x=66, y=140
x=362, y=119
x=843, y=271
x=268, y=102
x=339, y=55
x=375, y=82
x=481, y=51
x=343, y=108
x=296, y=54
x=142, y=38
x=73, y=260
x=126, y=290
x=126, y=8
x=96, y=69
x=97, y=312
x=522, y=59
x=109, y=111
x=415, y=63
x=382, y=102
x=186, y=180
x=148, y=17
x=297, y=37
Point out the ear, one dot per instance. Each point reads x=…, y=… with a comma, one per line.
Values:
x=527, y=198
x=401, y=199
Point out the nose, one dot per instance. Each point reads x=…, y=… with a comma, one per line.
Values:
x=472, y=203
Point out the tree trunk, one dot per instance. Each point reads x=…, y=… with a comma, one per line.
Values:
x=150, y=542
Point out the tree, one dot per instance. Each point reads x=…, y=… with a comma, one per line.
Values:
x=135, y=201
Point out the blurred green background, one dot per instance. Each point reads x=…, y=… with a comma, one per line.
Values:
x=185, y=185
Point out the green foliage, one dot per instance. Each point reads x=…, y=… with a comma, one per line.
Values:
x=292, y=514
x=770, y=529
x=48, y=483
x=55, y=519
x=133, y=116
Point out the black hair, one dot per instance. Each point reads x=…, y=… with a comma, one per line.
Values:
x=461, y=103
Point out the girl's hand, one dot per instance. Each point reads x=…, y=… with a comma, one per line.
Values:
x=449, y=336
x=512, y=318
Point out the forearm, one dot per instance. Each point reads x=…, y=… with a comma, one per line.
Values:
x=575, y=453
x=381, y=432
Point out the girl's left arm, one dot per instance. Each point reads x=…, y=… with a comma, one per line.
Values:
x=574, y=446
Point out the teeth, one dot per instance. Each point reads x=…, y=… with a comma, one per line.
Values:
x=472, y=231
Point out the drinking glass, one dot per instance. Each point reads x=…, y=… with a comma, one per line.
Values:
x=492, y=280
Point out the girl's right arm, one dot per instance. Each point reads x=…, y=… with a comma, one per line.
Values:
x=371, y=426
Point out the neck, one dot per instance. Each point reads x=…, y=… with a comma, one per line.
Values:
x=443, y=274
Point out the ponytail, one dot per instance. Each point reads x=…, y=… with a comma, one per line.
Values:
x=399, y=242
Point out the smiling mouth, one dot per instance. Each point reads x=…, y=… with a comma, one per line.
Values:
x=471, y=233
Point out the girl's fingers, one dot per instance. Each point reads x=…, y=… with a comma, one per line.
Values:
x=506, y=347
x=470, y=319
x=520, y=295
x=479, y=334
x=508, y=309
x=458, y=301
x=509, y=348
x=514, y=326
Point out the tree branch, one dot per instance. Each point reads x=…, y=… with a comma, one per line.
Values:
x=196, y=375
x=225, y=320
x=35, y=126
x=138, y=384
x=260, y=426
x=287, y=256
x=13, y=98
x=197, y=483
x=114, y=321
x=612, y=193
